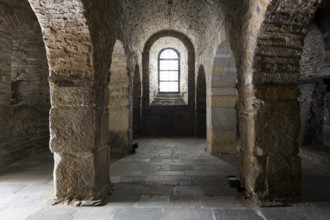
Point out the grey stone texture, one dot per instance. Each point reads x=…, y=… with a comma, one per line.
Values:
x=206, y=197
x=56, y=57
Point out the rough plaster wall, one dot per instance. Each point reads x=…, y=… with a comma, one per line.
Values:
x=24, y=106
x=222, y=118
x=79, y=45
x=119, y=101
x=168, y=120
x=175, y=43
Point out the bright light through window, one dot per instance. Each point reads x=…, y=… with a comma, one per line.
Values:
x=169, y=71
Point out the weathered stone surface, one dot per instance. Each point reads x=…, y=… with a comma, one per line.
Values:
x=222, y=142
x=86, y=169
x=74, y=130
x=261, y=43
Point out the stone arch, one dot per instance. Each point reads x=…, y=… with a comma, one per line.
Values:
x=24, y=96
x=179, y=113
x=222, y=126
x=79, y=46
x=269, y=110
x=119, y=103
x=200, y=126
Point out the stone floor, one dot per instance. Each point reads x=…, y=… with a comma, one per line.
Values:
x=165, y=179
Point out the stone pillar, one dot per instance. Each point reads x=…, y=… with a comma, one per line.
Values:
x=221, y=109
x=269, y=126
x=78, y=69
x=78, y=141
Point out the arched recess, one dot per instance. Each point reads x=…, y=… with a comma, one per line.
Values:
x=314, y=85
x=168, y=115
x=79, y=46
x=222, y=113
x=120, y=131
x=24, y=89
x=200, y=126
x=137, y=98
x=269, y=107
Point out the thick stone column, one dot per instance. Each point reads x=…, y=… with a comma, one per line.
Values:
x=269, y=132
x=79, y=62
x=79, y=143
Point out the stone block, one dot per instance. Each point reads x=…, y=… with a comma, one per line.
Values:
x=72, y=96
x=224, y=119
x=223, y=91
x=277, y=92
x=73, y=130
x=119, y=119
x=222, y=142
x=284, y=178
x=223, y=101
x=77, y=176
x=277, y=127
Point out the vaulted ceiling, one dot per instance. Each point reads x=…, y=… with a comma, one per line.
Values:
x=198, y=19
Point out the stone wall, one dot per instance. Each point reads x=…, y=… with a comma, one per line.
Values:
x=24, y=96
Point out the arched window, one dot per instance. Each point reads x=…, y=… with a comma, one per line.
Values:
x=168, y=71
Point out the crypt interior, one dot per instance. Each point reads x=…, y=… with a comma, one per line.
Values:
x=210, y=90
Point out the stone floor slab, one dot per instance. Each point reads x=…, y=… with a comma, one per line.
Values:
x=138, y=214
x=15, y=213
x=57, y=213
x=11, y=188
x=236, y=214
x=145, y=186
x=187, y=214
x=94, y=213
x=153, y=201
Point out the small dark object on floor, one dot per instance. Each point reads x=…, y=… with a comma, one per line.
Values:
x=134, y=146
x=235, y=183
